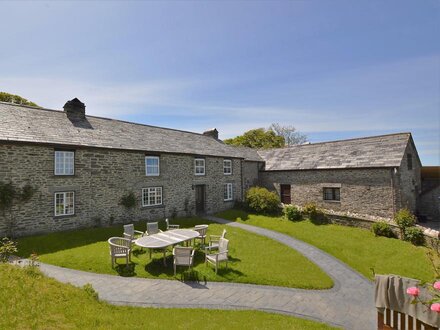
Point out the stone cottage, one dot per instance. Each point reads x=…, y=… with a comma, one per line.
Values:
x=371, y=176
x=83, y=166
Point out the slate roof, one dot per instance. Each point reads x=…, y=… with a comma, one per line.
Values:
x=375, y=151
x=38, y=125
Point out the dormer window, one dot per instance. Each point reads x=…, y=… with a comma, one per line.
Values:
x=64, y=162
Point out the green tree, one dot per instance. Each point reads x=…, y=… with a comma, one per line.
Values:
x=257, y=138
x=16, y=99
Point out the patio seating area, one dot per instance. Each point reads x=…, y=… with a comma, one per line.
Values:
x=88, y=250
x=156, y=239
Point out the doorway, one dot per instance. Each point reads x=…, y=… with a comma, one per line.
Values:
x=285, y=194
x=200, y=198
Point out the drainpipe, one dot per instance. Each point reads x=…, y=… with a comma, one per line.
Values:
x=241, y=177
x=393, y=171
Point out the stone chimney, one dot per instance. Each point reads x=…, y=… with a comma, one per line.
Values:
x=75, y=109
x=212, y=133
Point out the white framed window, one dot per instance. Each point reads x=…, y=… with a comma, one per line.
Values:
x=227, y=167
x=152, y=196
x=64, y=162
x=152, y=166
x=64, y=203
x=228, y=192
x=199, y=166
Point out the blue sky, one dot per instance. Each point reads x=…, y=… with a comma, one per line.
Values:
x=334, y=69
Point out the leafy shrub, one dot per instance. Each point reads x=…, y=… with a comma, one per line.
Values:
x=404, y=219
x=382, y=228
x=292, y=213
x=128, y=200
x=310, y=208
x=7, y=249
x=315, y=215
x=91, y=291
x=262, y=200
x=414, y=235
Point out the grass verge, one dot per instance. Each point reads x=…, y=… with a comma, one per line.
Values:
x=358, y=248
x=32, y=301
x=253, y=258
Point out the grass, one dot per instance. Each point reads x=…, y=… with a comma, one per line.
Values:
x=253, y=258
x=358, y=248
x=33, y=301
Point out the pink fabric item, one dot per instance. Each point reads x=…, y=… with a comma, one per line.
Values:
x=413, y=291
x=435, y=307
x=437, y=285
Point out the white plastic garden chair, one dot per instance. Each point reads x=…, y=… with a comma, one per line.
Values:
x=221, y=255
x=120, y=248
x=170, y=227
x=201, y=229
x=183, y=256
x=131, y=233
x=214, y=240
x=153, y=228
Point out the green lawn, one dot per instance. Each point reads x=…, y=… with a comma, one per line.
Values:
x=253, y=258
x=357, y=247
x=32, y=301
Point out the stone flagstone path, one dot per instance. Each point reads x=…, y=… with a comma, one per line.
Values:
x=349, y=304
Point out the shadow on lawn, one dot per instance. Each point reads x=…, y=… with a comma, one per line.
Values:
x=126, y=270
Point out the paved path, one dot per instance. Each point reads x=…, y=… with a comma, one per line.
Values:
x=349, y=304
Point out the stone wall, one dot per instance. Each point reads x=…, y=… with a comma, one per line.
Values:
x=363, y=191
x=408, y=183
x=251, y=174
x=102, y=177
x=429, y=203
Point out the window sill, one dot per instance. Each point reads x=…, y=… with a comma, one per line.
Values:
x=64, y=216
x=153, y=206
x=64, y=175
x=331, y=201
x=228, y=200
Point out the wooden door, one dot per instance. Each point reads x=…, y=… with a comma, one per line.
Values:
x=200, y=198
x=285, y=194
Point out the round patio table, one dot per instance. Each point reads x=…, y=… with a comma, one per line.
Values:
x=164, y=239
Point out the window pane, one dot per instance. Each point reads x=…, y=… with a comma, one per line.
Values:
x=64, y=162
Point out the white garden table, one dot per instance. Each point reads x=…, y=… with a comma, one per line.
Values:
x=164, y=239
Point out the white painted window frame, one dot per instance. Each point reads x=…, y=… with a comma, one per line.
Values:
x=199, y=166
x=65, y=211
x=228, y=192
x=146, y=193
x=62, y=171
x=227, y=161
x=147, y=166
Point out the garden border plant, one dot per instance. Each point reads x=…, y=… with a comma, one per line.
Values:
x=11, y=196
